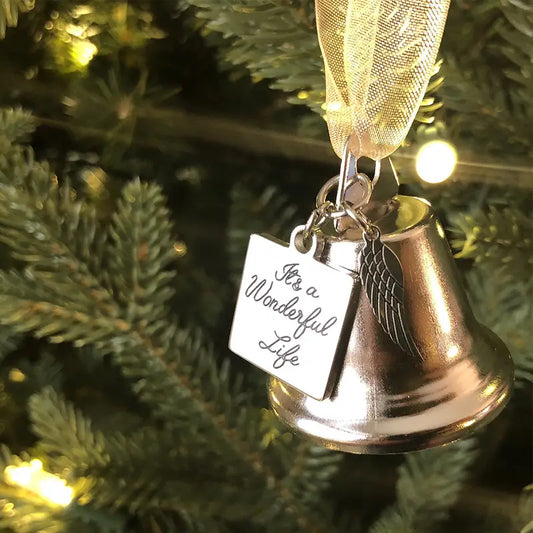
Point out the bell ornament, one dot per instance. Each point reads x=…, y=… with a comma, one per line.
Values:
x=383, y=399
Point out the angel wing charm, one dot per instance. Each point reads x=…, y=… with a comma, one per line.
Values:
x=382, y=277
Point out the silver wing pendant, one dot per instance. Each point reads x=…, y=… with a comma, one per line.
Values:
x=382, y=277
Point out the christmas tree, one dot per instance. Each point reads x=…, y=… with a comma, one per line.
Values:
x=141, y=143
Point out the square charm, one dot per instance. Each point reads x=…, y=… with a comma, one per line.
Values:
x=290, y=314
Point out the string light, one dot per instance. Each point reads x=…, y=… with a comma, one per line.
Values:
x=435, y=161
x=180, y=248
x=16, y=375
x=82, y=52
x=32, y=477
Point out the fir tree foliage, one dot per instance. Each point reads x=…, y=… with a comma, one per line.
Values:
x=428, y=486
x=9, y=13
x=26, y=512
x=500, y=238
x=16, y=124
x=275, y=40
x=193, y=452
x=505, y=305
x=478, y=75
x=524, y=517
x=8, y=341
x=87, y=282
x=117, y=470
x=270, y=206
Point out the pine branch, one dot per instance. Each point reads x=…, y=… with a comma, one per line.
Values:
x=488, y=68
x=516, y=32
x=277, y=40
x=9, y=13
x=16, y=124
x=8, y=341
x=109, y=107
x=25, y=512
x=66, y=293
x=45, y=371
x=139, y=254
x=144, y=471
x=428, y=486
x=505, y=305
x=311, y=472
x=482, y=105
x=499, y=238
x=524, y=517
x=309, y=468
x=269, y=212
x=274, y=40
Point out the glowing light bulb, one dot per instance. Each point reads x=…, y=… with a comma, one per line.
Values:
x=18, y=475
x=83, y=52
x=33, y=478
x=180, y=248
x=55, y=490
x=435, y=161
x=36, y=464
x=75, y=30
x=17, y=375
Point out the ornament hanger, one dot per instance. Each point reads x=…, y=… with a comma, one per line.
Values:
x=348, y=177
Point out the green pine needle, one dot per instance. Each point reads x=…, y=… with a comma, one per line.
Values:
x=8, y=341
x=141, y=249
x=500, y=238
x=505, y=304
x=428, y=486
x=144, y=471
x=9, y=13
x=275, y=40
x=268, y=212
x=524, y=517
x=16, y=124
x=84, y=283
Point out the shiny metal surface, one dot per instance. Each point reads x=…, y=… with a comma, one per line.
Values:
x=386, y=401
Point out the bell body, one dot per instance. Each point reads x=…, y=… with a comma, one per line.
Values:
x=384, y=400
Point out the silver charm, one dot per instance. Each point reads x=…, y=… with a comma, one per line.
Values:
x=382, y=277
x=290, y=313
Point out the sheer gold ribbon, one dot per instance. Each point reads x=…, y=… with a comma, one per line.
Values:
x=378, y=57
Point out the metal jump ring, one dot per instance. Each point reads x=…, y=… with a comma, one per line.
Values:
x=321, y=197
x=326, y=209
x=311, y=223
x=370, y=231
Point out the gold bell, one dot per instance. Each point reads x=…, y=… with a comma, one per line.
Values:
x=384, y=401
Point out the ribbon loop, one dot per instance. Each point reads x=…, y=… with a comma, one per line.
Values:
x=378, y=58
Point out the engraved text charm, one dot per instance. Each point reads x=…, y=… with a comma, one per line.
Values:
x=290, y=314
